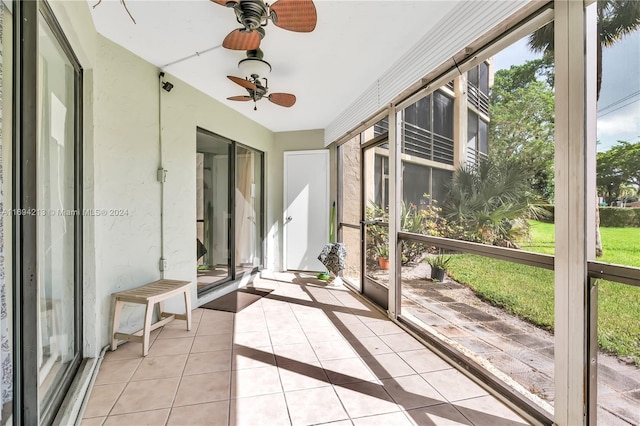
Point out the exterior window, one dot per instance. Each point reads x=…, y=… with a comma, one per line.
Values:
x=478, y=87
x=428, y=128
x=421, y=184
x=477, y=137
x=381, y=180
x=442, y=115
x=440, y=179
x=419, y=113
x=483, y=78
x=417, y=182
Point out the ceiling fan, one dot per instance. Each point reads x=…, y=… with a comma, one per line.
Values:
x=258, y=90
x=293, y=15
x=255, y=66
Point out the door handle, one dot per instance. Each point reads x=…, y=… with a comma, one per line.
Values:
x=288, y=219
x=373, y=222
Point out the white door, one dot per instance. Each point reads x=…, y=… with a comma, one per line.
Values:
x=306, y=208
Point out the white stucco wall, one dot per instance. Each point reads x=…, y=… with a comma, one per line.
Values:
x=126, y=158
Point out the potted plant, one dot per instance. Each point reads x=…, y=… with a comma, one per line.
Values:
x=383, y=256
x=438, y=263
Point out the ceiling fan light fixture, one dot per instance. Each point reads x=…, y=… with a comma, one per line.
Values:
x=254, y=66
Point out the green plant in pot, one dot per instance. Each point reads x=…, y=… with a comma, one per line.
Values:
x=383, y=256
x=438, y=263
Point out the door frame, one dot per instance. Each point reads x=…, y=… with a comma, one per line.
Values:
x=369, y=288
x=325, y=153
x=26, y=404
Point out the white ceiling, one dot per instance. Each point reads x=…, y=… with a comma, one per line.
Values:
x=353, y=44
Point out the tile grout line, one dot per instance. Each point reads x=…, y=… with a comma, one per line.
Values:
x=184, y=367
x=233, y=333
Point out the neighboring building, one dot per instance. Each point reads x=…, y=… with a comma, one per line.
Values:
x=441, y=131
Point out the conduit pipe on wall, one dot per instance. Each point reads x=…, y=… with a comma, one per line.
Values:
x=162, y=173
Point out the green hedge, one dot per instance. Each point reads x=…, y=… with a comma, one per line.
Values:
x=620, y=217
x=610, y=217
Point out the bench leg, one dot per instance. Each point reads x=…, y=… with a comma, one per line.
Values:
x=187, y=307
x=148, y=316
x=116, y=323
x=160, y=309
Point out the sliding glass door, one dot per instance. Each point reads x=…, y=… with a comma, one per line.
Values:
x=46, y=218
x=58, y=230
x=229, y=206
x=213, y=209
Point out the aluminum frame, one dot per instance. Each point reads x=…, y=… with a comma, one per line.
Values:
x=26, y=404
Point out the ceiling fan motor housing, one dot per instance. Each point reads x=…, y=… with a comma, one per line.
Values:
x=251, y=13
x=259, y=92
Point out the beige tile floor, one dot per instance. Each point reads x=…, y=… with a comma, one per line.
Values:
x=306, y=354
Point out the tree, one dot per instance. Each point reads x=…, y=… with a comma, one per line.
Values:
x=490, y=201
x=627, y=156
x=608, y=178
x=522, y=120
x=617, y=169
x=616, y=18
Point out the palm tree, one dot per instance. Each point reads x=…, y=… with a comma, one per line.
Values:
x=616, y=18
x=490, y=202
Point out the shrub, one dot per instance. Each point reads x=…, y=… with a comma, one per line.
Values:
x=619, y=217
x=425, y=220
x=549, y=213
x=610, y=217
x=489, y=202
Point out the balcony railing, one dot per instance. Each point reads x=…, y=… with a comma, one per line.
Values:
x=474, y=156
x=426, y=144
x=381, y=127
x=478, y=99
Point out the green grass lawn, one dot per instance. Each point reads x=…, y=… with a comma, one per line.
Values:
x=527, y=291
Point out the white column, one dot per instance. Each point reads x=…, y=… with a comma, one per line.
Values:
x=572, y=228
x=395, y=200
x=460, y=114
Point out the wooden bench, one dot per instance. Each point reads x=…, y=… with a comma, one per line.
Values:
x=149, y=295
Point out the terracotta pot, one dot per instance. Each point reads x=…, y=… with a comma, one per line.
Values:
x=383, y=263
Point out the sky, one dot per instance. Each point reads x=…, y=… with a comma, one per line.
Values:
x=619, y=103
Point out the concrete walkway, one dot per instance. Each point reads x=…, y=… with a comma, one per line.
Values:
x=519, y=350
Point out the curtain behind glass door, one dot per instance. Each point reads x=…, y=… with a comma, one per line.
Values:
x=248, y=200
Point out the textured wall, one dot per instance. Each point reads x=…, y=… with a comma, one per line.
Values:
x=351, y=195
x=126, y=157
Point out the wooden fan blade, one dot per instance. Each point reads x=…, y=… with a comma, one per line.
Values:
x=295, y=15
x=241, y=39
x=283, y=99
x=224, y=2
x=242, y=82
x=240, y=98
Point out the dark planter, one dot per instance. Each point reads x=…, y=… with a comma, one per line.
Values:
x=437, y=274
